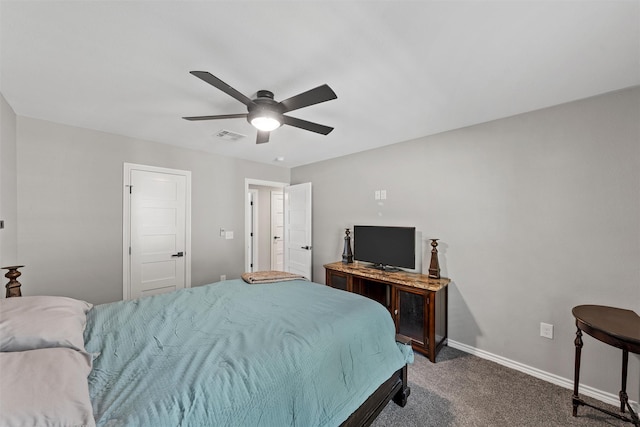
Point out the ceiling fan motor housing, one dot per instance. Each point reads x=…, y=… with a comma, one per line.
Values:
x=265, y=106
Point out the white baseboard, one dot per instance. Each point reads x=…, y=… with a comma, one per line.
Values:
x=603, y=396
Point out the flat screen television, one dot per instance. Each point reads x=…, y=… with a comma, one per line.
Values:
x=385, y=247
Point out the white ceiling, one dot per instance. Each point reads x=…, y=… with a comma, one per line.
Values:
x=401, y=69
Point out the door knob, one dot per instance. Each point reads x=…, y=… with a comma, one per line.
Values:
x=276, y=237
x=178, y=255
x=305, y=247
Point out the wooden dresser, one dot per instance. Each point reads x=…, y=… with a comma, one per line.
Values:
x=417, y=303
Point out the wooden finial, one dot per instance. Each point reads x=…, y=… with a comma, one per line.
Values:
x=434, y=266
x=13, y=287
x=347, y=255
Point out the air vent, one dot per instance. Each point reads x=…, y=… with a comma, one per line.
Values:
x=229, y=135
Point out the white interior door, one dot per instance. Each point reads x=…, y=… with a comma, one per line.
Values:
x=159, y=237
x=277, y=230
x=252, y=238
x=297, y=229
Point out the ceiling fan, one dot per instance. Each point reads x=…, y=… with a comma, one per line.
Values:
x=265, y=113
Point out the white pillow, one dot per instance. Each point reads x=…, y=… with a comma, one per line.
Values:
x=46, y=387
x=29, y=323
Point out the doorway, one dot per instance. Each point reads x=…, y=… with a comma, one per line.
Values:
x=283, y=227
x=261, y=219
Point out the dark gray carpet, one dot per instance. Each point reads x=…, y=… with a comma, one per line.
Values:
x=465, y=390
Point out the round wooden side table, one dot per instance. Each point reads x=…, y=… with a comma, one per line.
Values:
x=614, y=326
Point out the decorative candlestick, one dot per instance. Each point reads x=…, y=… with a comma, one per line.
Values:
x=434, y=266
x=347, y=255
x=13, y=287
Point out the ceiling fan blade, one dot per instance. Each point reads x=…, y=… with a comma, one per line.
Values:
x=303, y=124
x=220, y=116
x=314, y=96
x=263, y=136
x=216, y=82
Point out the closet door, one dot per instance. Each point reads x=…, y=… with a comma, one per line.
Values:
x=157, y=241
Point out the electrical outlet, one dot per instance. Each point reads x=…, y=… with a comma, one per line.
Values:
x=546, y=330
x=228, y=234
x=223, y=277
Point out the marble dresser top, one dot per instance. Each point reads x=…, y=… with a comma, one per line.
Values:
x=413, y=280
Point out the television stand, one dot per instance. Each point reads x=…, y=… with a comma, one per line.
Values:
x=417, y=303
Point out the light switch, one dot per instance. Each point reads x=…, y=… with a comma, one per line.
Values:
x=377, y=194
x=383, y=194
x=228, y=235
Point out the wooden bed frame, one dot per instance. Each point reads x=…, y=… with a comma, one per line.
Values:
x=396, y=388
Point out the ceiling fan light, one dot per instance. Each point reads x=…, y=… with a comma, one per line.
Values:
x=265, y=123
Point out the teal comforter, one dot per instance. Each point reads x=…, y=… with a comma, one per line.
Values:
x=232, y=354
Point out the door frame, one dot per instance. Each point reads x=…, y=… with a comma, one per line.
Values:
x=126, y=222
x=247, y=211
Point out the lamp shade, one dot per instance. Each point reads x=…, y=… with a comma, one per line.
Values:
x=265, y=123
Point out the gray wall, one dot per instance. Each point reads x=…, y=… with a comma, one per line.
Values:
x=537, y=213
x=8, y=186
x=70, y=184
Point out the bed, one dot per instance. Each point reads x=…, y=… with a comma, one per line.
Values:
x=290, y=353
